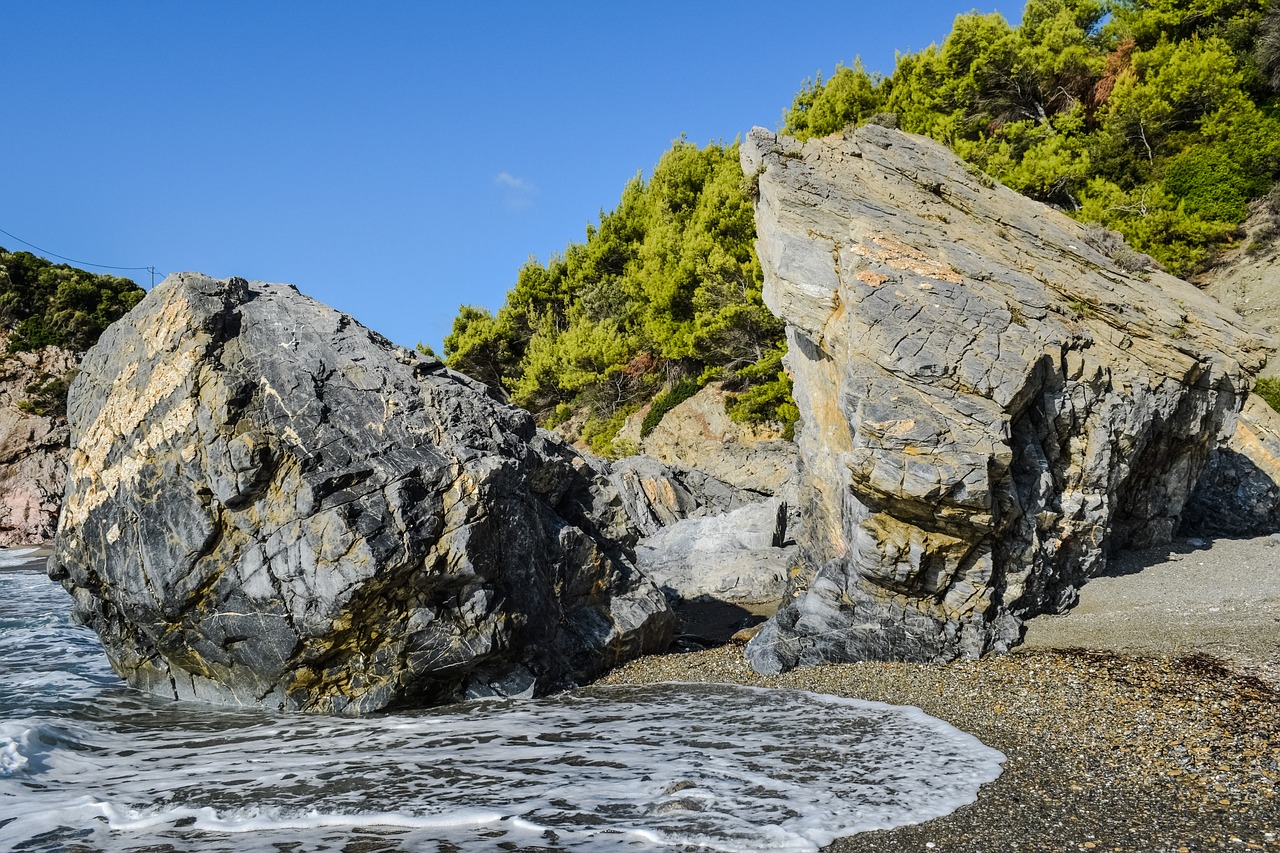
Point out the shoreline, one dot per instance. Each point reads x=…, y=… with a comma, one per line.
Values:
x=1104, y=751
x=1145, y=719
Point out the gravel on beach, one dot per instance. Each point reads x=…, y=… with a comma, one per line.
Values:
x=1105, y=752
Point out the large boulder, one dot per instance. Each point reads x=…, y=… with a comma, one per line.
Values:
x=739, y=559
x=989, y=403
x=656, y=495
x=269, y=504
x=720, y=553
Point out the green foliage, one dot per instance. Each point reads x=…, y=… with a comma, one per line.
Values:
x=478, y=346
x=600, y=433
x=43, y=303
x=1156, y=118
x=1269, y=390
x=1208, y=183
x=48, y=395
x=665, y=402
x=767, y=398
x=850, y=96
x=667, y=287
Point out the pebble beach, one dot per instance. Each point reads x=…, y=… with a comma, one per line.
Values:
x=1104, y=752
x=1168, y=746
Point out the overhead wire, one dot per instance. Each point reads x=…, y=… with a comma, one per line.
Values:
x=151, y=270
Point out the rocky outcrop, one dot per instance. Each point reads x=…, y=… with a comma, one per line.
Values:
x=655, y=495
x=739, y=557
x=269, y=504
x=989, y=404
x=33, y=441
x=719, y=553
x=698, y=434
x=1239, y=492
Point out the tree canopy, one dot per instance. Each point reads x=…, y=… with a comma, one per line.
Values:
x=44, y=303
x=666, y=288
x=1158, y=118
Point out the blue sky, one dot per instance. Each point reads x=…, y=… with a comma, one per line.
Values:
x=392, y=159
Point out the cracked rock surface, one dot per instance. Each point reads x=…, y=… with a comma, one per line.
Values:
x=990, y=406
x=269, y=504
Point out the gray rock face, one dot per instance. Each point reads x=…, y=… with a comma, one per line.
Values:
x=989, y=405
x=716, y=551
x=735, y=558
x=655, y=495
x=269, y=504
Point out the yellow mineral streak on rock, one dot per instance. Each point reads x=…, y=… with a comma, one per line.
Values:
x=874, y=279
x=126, y=471
x=1249, y=440
x=388, y=408
x=128, y=409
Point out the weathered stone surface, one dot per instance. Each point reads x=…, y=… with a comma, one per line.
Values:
x=267, y=503
x=719, y=553
x=735, y=558
x=1239, y=492
x=1247, y=278
x=33, y=443
x=655, y=495
x=698, y=434
x=988, y=404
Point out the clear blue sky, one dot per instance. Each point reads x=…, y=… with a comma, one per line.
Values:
x=392, y=159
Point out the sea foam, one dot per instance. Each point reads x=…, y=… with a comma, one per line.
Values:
x=671, y=766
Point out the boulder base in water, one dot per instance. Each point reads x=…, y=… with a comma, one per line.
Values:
x=989, y=403
x=269, y=504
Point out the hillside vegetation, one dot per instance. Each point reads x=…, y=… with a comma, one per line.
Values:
x=665, y=291
x=1157, y=118
x=44, y=303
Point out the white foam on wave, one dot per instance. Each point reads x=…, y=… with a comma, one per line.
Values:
x=726, y=768
x=12, y=557
x=12, y=761
x=662, y=766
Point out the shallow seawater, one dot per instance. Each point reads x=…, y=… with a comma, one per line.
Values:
x=87, y=764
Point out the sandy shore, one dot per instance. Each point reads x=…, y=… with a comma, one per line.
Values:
x=1137, y=728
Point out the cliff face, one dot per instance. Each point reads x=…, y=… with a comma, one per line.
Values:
x=33, y=441
x=989, y=403
x=1245, y=279
x=269, y=504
